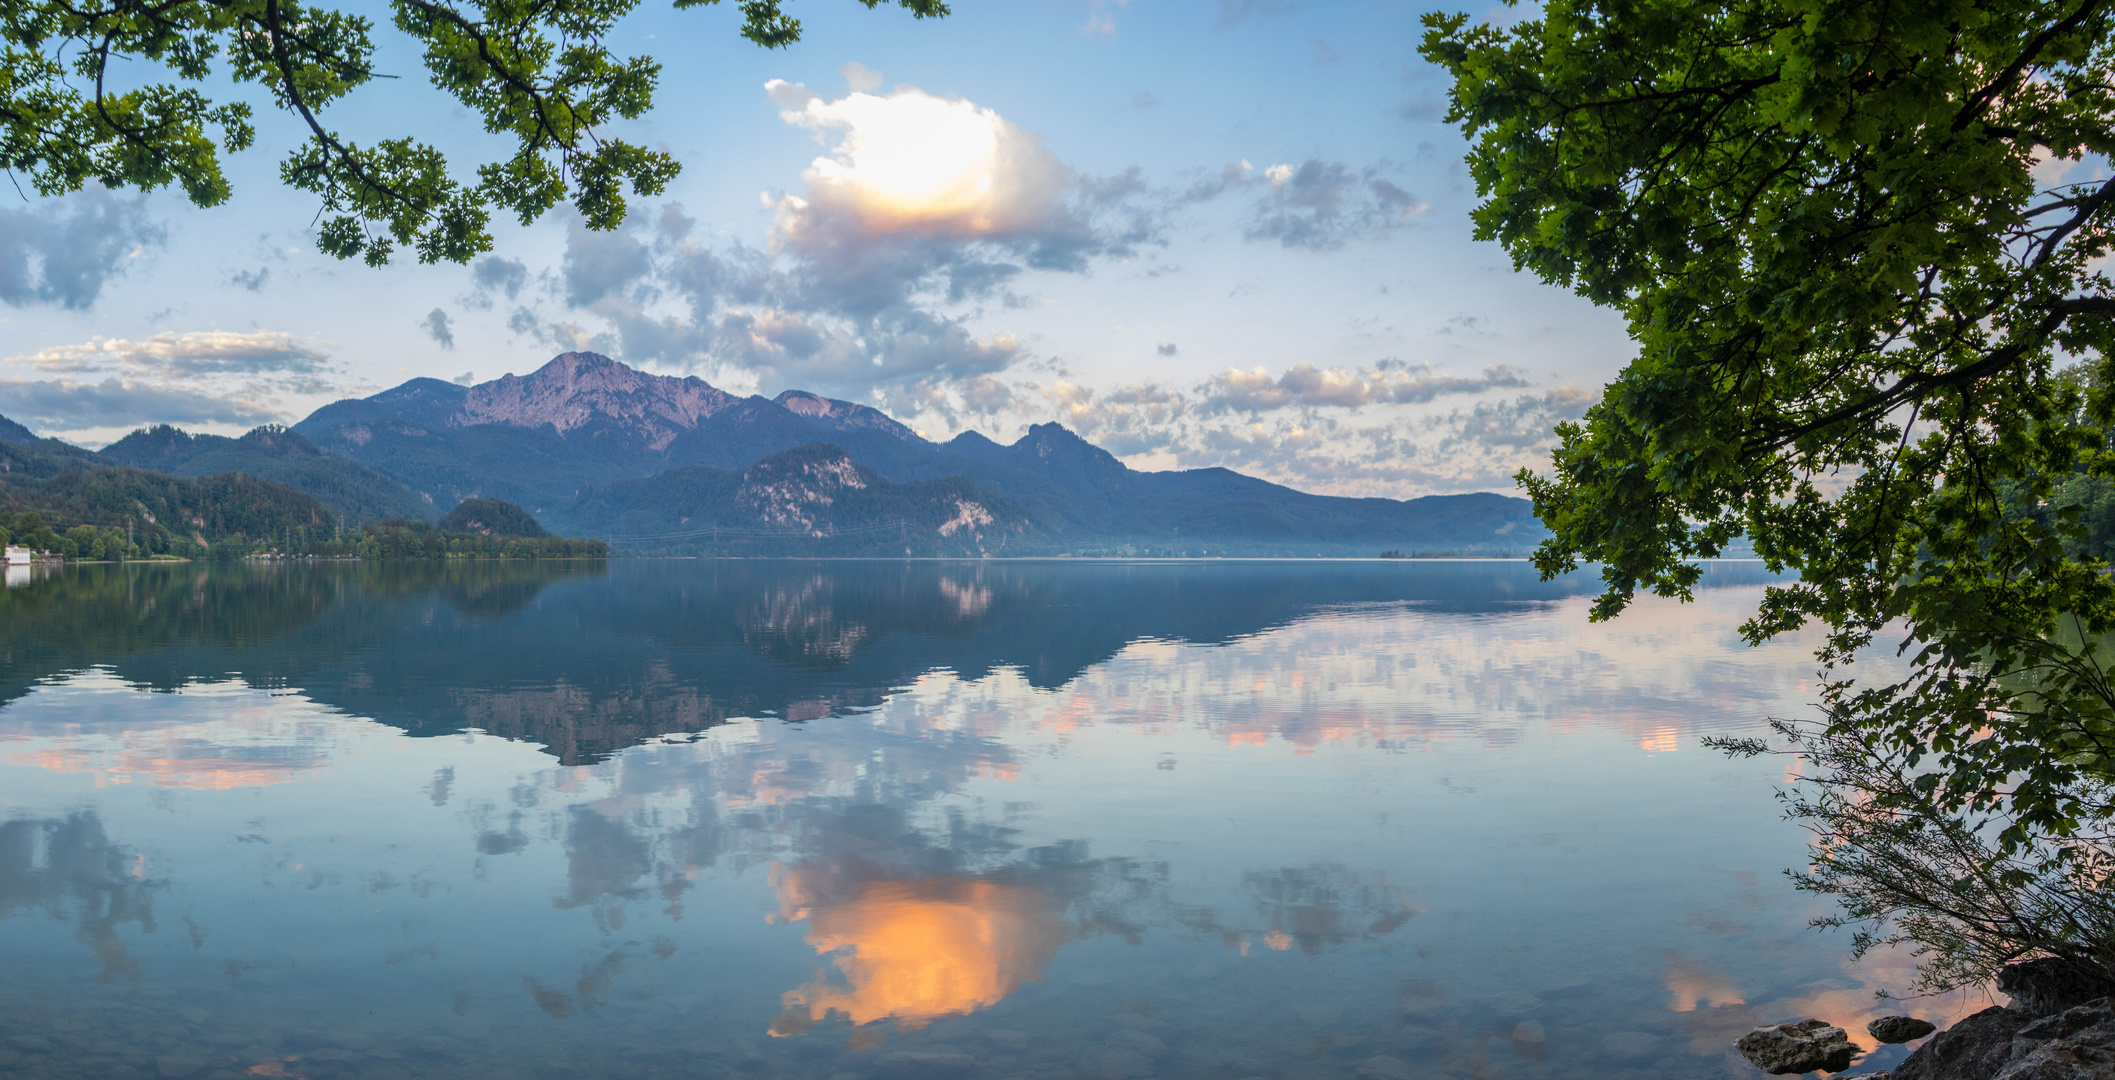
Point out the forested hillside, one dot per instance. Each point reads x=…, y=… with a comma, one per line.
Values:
x=491, y=517
x=354, y=492
x=79, y=508
x=82, y=509
x=811, y=500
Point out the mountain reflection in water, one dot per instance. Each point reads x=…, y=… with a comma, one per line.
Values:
x=587, y=660
x=986, y=820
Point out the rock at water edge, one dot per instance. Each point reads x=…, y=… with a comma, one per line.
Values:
x=1807, y=1046
x=1974, y=1048
x=2053, y=984
x=2076, y=1044
x=1899, y=1029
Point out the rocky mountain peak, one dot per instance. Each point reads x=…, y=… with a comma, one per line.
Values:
x=578, y=387
x=1058, y=448
x=806, y=404
x=794, y=489
x=842, y=415
x=1057, y=440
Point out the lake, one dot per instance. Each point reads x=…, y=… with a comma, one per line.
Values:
x=848, y=820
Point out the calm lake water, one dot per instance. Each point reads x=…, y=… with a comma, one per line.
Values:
x=880, y=820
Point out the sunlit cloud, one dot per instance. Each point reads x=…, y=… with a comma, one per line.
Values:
x=913, y=162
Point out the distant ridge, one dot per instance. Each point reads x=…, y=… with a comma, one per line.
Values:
x=356, y=493
x=570, y=441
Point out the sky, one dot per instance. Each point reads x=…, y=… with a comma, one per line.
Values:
x=1198, y=232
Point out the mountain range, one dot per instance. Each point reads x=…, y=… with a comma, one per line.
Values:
x=591, y=446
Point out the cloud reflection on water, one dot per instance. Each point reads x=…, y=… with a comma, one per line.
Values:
x=245, y=747
x=916, y=950
x=68, y=868
x=1715, y=1012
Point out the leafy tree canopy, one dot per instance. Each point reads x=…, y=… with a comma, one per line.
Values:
x=1843, y=237
x=75, y=107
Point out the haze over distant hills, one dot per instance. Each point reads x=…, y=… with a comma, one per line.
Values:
x=593, y=447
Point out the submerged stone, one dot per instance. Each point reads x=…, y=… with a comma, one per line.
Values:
x=1138, y=1042
x=1119, y=1064
x=913, y=1065
x=1630, y=1045
x=1383, y=1067
x=174, y=1066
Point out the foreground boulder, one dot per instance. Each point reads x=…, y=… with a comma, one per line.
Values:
x=2053, y=984
x=1976, y=1048
x=1899, y=1029
x=2076, y=1044
x=1807, y=1046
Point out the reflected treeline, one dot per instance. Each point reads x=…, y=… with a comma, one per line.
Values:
x=588, y=658
x=115, y=616
x=97, y=615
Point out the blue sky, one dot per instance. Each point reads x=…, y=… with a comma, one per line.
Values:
x=1227, y=232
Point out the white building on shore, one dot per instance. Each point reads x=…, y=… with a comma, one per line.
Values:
x=18, y=556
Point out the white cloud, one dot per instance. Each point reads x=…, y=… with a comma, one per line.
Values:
x=910, y=162
x=1128, y=420
x=1305, y=385
x=986, y=395
x=859, y=77
x=208, y=352
x=65, y=405
x=1369, y=431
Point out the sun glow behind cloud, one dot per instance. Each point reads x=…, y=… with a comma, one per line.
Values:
x=912, y=162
